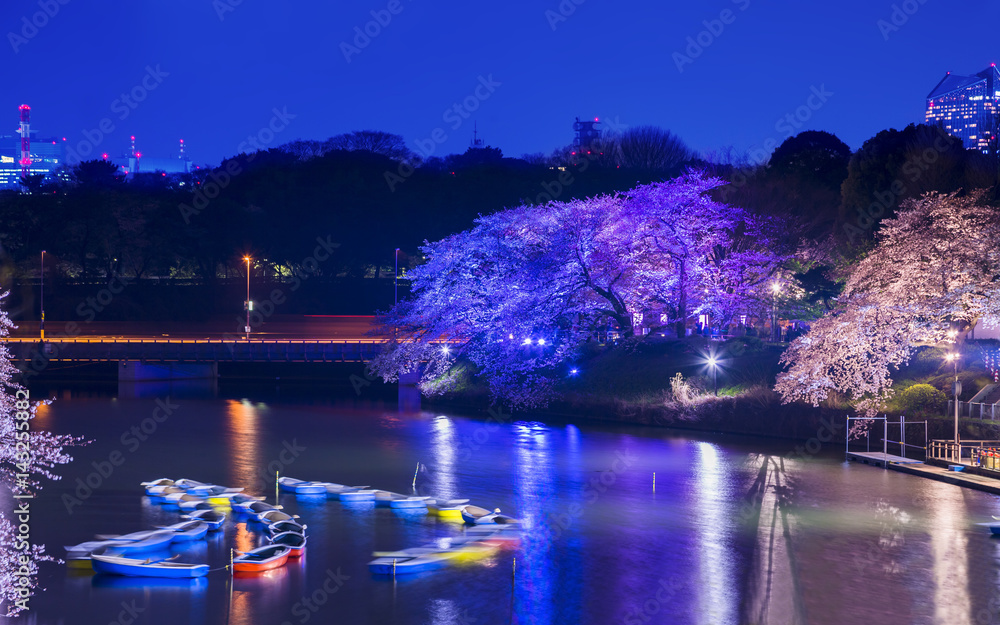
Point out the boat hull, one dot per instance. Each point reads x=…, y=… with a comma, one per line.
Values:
x=136, y=568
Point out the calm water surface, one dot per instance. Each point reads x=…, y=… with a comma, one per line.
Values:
x=735, y=531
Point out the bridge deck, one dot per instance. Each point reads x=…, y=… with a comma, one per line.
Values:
x=197, y=350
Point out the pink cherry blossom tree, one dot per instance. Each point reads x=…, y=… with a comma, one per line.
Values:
x=934, y=274
x=26, y=456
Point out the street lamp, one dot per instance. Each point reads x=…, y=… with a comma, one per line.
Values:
x=249, y=305
x=41, y=323
x=714, y=364
x=775, y=289
x=953, y=358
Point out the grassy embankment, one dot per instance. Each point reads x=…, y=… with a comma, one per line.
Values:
x=637, y=383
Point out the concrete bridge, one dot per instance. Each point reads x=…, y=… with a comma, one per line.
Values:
x=142, y=359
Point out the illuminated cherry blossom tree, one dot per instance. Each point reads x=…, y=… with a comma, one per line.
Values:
x=518, y=294
x=26, y=455
x=933, y=275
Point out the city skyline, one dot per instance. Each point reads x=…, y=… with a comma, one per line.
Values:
x=216, y=74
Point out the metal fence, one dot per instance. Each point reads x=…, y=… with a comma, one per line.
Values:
x=974, y=410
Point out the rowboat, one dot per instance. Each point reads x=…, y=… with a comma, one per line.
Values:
x=213, y=518
x=994, y=527
x=187, y=531
x=154, y=483
x=272, y=516
x=134, y=536
x=187, y=484
x=415, y=562
x=447, y=508
x=157, y=540
x=158, y=494
x=174, y=500
x=285, y=526
x=78, y=556
x=396, y=500
x=301, y=487
x=293, y=540
x=255, y=507
x=349, y=493
x=131, y=567
x=196, y=503
x=261, y=559
x=474, y=515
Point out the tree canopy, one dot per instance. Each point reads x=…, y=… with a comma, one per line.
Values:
x=518, y=294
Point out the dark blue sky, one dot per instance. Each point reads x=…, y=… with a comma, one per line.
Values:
x=613, y=60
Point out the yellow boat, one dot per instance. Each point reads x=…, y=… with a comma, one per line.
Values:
x=447, y=509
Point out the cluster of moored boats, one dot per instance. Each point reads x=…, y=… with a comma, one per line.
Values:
x=206, y=507
x=490, y=531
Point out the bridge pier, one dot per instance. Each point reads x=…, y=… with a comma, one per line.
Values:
x=138, y=371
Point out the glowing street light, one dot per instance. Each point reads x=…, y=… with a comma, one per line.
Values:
x=445, y=350
x=714, y=364
x=41, y=323
x=249, y=305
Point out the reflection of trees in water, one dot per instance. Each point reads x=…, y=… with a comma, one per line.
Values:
x=772, y=593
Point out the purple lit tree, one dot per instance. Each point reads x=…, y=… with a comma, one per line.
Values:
x=25, y=456
x=933, y=275
x=515, y=297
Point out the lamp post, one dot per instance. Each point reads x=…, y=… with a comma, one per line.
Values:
x=249, y=304
x=953, y=358
x=775, y=289
x=715, y=379
x=395, y=281
x=41, y=323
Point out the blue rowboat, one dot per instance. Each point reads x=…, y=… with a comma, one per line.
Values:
x=293, y=540
x=156, y=540
x=273, y=516
x=301, y=487
x=212, y=518
x=188, y=531
x=116, y=565
x=395, y=500
x=255, y=507
x=285, y=526
x=154, y=483
x=349, y=493
x=410, y=561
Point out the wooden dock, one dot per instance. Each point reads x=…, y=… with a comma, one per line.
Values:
x=880, y=459
x=916, y=467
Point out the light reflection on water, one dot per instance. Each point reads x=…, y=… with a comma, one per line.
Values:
x=734, y=533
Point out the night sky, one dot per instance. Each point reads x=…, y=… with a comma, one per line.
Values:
x=230, y=63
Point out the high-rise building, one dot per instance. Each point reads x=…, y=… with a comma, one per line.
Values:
x=966, y=107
